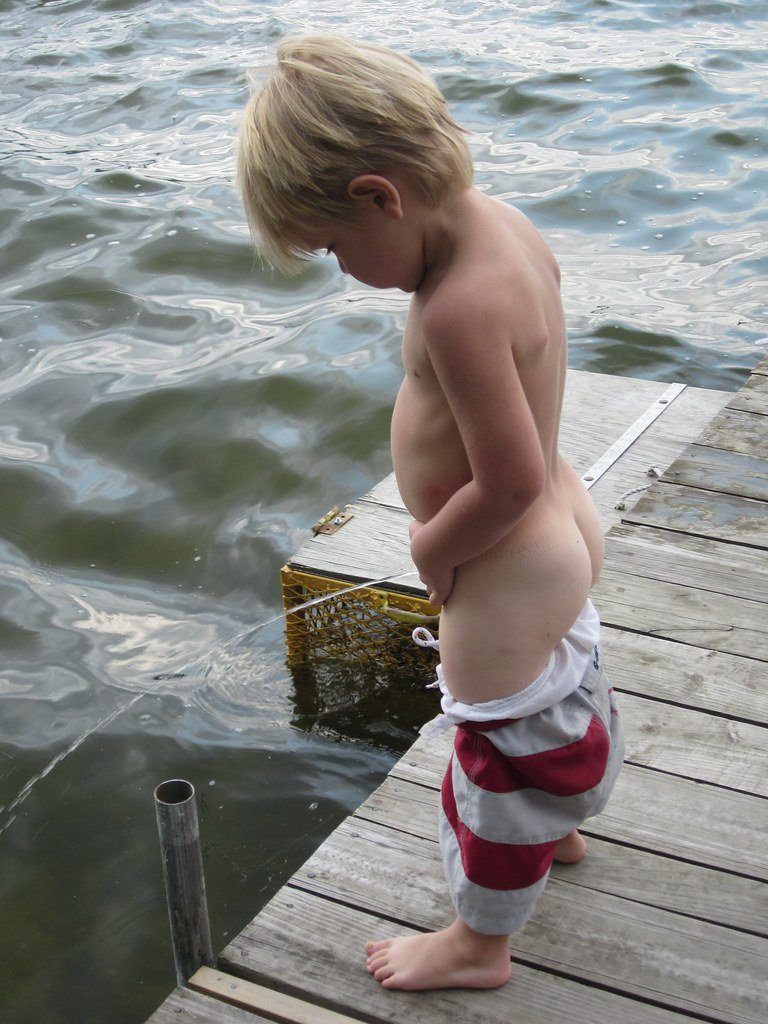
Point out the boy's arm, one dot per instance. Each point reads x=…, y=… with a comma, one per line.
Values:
x=470, y=346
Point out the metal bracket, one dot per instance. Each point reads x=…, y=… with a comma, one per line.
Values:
x=617, y=449
x=332, y=521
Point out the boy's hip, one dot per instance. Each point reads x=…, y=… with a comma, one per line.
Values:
x=567, y=665
x=556, y=716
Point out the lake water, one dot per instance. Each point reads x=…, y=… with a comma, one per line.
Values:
x=174, y=418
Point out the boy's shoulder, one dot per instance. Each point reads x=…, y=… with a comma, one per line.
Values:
x=503, y=280
x=507, y=301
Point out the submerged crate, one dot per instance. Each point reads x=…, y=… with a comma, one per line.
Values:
x=365, y=624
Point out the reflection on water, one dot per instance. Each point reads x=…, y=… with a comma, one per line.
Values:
x=175, y=416
x=236, y=676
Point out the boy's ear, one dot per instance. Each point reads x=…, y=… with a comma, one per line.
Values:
x=379, y=190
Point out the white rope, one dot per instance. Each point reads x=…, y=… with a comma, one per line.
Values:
x=429, y=642
x=651, y=471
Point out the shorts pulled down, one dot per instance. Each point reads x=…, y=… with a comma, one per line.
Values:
x=514, y=788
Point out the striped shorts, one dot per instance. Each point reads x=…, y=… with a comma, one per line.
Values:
x=514, y=788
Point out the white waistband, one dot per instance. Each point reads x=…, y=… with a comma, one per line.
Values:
x=561, y=676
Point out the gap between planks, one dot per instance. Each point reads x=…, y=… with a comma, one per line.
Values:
x=611, y=866
x=690, y=820
x=593, y=936
x=275, y=1005
x=187, y=1006
x=584, y=934
x=313, y=945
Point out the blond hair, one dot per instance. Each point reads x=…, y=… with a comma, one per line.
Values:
x=334, y=108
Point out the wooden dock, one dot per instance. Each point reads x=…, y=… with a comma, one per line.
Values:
x=666, y=919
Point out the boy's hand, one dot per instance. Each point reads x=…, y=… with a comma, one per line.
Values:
x=438, y=580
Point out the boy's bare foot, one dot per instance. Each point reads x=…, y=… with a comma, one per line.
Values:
x=571, y=849
x=456, y=957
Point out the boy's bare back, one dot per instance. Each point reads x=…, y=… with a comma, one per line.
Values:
x=497, y=293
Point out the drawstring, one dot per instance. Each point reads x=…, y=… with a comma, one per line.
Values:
x=430, y=642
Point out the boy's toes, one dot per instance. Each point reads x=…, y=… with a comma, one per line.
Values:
x=384, y=972
x=376, y=947
x=376, y=962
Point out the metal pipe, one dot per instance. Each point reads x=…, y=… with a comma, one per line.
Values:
x=183, y=872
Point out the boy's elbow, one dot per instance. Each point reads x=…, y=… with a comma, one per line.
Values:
x=526, y=497
x=521, y=494
x=538, y=479
x=509, y=505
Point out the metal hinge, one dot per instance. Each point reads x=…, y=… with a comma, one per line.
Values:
x=331, y=521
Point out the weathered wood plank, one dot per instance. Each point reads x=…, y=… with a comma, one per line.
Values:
x=377, y=544
x=602, y=939
x=312, y=946
x=706, y=513
x=751, y=396
x=703, y=679
x=736, y=431
x=279, y=1006
x=682, y=557
x=648, y=809
x=694, y=744
x=702, y=618
x=184, y=1006
x=716, y=469
x=658, y=446
x=372, y=544
x=665, y=882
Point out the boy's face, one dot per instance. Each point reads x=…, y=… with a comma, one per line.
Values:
x=385, y=250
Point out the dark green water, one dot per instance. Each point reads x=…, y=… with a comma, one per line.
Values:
x=174, y=419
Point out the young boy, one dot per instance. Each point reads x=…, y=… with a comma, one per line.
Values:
x=350, y=147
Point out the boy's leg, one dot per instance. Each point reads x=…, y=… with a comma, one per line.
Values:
x=460, y=955
x=457, y=956
x=571, y=849
x=504, y=788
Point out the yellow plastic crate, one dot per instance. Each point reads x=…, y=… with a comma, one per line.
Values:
x=369, y=624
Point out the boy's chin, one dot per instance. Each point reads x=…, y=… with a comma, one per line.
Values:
x=390, y=277
x=395, y=280
x=378, y=280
